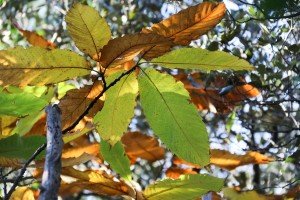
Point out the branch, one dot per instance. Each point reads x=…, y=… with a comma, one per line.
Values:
x=105, y=88
x=23, y=170
x=51, y=175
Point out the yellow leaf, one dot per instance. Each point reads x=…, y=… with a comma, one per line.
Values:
x=74, y=152
x=74, y=103
x=190, y=23
x=88, y=29
x=39, y=66
x=96, y=181
x=22, y=193
x=33, y=38
x=138, y=145
x=121, y=50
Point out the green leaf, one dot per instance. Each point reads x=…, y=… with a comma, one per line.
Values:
x=112, y=121
x=20, y=104
x=117, y=158
x=186, y=187
x=20, y=147
x=192, y=58
x=172, y=116
x=39, y=66
x=88, y=29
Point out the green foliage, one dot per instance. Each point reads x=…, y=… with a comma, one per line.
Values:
x=187, y=187
x=192, y=58
x=20, y=147
x=20, y=104
x=172, y=117
x=116, y=157
x=113, y=120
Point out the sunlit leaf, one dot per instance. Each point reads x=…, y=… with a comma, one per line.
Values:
x=74, y=152
x=190, y=23
x=88, y=29
x=74, y=103
x=39, y=66
x=22, y=193
x=138, y=145
x=193, y=58
x=72, y=136
x=20, y=104
x=33, y=38
x=20, y=147
x=123, y=49
x=96, y=181
x=175, y=172
x=229, y=161
x=186, y=187
x=118, y=109
x=116, y=158
x=179, y=126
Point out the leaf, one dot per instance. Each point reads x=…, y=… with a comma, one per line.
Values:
x=22, y=193
x=179, y=126
x=72, y=136
x=193, y=58
x=175, y=172
x=97, y=181
x=88, y=29
x=120, y=100
x=186, y=187
x=234, y=195
x=20, y=147
x=74, y=152
x=7, y=124
x=20, y=104
x=121, y=50
x=116, y=158
x=74, y=103
x=39, y=66
x=33, y=38
x=229, y=161
x=10, y=162
x=189, y=23
x=138, y=145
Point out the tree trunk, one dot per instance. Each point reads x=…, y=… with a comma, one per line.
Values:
x=51, y=176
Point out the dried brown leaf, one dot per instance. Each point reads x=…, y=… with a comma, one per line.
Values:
x=140, y=145
x=74, y=103
x=175, y=172
x=123, y=49
x=190, y=23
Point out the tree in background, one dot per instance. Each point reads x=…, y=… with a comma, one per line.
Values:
x=251, y=117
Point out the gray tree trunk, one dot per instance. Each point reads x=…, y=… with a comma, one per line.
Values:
x=51, y=176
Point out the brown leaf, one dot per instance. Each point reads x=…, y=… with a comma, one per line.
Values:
x=74, y=152
x=229, y=161
x=96, y=181
x=33, y=38
x=190, y=23
x=74, y=103
x=123, y=49
x=10, y=162
x=140, y=145
x=39, y=128
x=175, y=172
x=67, y=162
x=208, y=97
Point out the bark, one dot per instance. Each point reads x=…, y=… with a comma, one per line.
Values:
x=51, y=175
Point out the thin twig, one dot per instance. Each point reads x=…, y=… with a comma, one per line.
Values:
x=23, y=170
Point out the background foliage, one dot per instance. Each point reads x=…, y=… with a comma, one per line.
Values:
x=264, y=120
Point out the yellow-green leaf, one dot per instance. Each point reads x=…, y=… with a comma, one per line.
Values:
x=112, y=121
x=116, y=158
x=88, y=29
x=188, y=187
x=193, y=58
x=39, y=66
x=172, y=116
